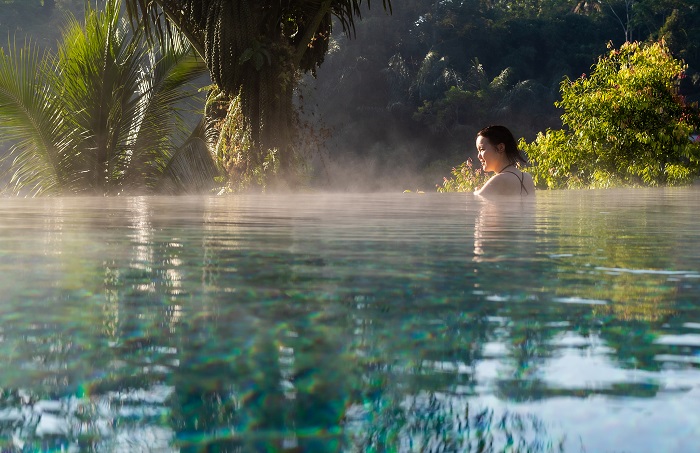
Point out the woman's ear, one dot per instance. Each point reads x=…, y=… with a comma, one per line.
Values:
x=501, y=147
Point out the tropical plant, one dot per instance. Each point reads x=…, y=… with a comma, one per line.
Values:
x=474, y=97
x=465, y=178
x=255, y=51
x=625, y=124
x=101, y=116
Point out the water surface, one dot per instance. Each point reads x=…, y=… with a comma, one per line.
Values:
x=351, y=322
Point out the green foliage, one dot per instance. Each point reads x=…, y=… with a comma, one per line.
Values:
x=465, y=178
x=403, y=83
x=255, y=51
x=102, y=115
x=474, y=94
x=232, y=145
x=625, y=124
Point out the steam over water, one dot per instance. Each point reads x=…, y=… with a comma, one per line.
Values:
x=357, y=322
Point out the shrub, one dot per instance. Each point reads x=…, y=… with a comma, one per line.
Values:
x=465, y=178
x=625, y=125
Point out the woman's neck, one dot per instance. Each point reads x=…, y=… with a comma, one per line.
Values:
x=510, y=164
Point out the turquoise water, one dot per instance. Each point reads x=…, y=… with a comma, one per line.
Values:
x=351, y=322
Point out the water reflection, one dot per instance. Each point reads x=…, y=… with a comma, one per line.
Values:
x=504, y=229
x=345, y=323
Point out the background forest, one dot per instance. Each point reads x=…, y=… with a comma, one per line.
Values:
x=396, y=104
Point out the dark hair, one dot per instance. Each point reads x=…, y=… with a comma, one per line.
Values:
x=500, y=134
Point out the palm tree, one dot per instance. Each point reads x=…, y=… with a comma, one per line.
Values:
x=587, y=7
x=255, y=51
x=103, y=115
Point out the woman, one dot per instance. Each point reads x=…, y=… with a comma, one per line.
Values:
x=499, y=153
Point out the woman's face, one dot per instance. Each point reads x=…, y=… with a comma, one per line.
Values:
x=489, y=155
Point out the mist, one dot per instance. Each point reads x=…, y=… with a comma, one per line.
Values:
x=396, y=104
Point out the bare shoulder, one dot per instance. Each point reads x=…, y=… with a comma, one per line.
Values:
x=508, y=184
x=528, y=183
x=499, y=184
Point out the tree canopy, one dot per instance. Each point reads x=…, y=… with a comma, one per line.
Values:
x=103, y=115
x=436, y=72
x=254, y=51
x=625, y=124
x=403, y=93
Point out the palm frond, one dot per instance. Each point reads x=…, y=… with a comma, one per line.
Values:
x=167, y=84
x=101, y=66
x=105, y=65
x=101, y=109
x=192, y=170
x=31, y=119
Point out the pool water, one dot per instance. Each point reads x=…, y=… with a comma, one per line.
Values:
x=352, y=323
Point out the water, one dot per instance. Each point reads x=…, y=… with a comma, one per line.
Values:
x=362, y=322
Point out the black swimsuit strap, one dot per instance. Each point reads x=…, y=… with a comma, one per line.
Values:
x=521, y=179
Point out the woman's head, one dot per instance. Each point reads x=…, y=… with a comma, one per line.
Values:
x=497, y=135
